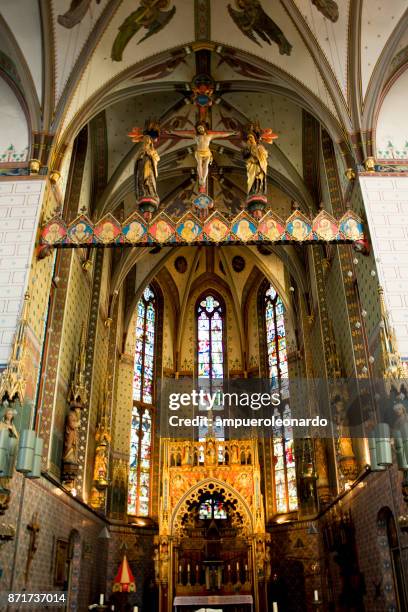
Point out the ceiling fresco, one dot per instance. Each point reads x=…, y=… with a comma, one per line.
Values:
x=96, y=43
x=114, y=64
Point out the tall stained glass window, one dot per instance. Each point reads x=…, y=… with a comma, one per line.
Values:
x=210, y=322
x=283, y=447
x=141, y=426
x=144, y=354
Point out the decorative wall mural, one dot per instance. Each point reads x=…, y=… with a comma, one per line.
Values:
x=11, y=154
x=151, y=15
x=14, y=136
x=75, y=13
x=252, y=19
x=328, y=8
x=189, y=229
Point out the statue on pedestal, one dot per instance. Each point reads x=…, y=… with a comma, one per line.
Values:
x=146, y=174
x=70, y=452
x=78, y=397
x=7, y=422
x=146, y=168
x=256, y=160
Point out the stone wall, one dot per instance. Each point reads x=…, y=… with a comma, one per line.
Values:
x=58, y=515
x=386, y=203
x=378, y=490
x=20, y=203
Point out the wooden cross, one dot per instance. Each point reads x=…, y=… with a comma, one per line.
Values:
x=33, y=528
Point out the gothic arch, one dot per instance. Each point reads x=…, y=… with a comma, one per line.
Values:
x=211, y=485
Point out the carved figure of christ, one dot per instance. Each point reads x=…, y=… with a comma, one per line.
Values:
x=203, y=155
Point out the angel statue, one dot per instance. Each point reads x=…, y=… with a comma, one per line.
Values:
x=146, y=168
x=202, y=136
x=256, y=160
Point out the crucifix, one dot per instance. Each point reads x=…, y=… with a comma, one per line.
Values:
x=202, y=136
x=33, y=528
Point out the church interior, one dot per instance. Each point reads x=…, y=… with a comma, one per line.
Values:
x=204, y=198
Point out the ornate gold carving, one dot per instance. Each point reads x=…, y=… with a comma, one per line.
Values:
x=12, y=379
x=193, y=466
x=34, y=166
x=78, y=391
x=369, y=164
x=347, y=460
x=350, y=174
x=391, y=360
x=323, y=487
x=55, y=176
x=101, y=465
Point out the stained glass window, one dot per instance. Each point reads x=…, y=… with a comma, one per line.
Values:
x=283, y=447
x=144, y=354
x=212, y=508
x=139, y=472
x=210, y=325
x=141, y=425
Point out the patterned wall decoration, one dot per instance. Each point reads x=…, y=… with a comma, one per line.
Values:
x=55, y=325
x=88, y=410
x=202, y=17
x=347, y=265
x=365, y=505
x=47, y=396
x=124, y=402
x=73, y=321
x=252, y=329
x=57, y=516
x=101, y=378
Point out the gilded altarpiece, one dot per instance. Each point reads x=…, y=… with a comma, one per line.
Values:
x=190, y=471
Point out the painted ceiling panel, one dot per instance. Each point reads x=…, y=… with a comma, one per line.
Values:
x=284, y=117
x=378, y=20
x=299, y=64
x=122, y=117
x=101, y=68
x=70, y=41
x=23, y=19
x=332, y=37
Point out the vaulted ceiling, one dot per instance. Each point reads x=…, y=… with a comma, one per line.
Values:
x=273, y=60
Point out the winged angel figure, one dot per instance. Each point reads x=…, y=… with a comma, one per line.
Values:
x=252, y=19
x=329, y=8
x=75, y=13
x=150, y=15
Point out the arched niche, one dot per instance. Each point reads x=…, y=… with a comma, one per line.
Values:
x=14, y=134
x=391, y=136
